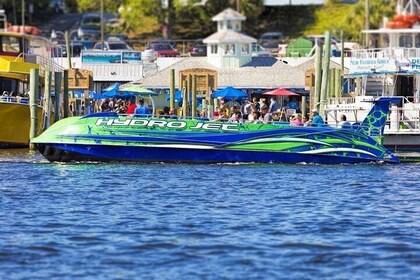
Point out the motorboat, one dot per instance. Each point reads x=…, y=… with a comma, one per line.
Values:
x=111, y=137
x=390, y=66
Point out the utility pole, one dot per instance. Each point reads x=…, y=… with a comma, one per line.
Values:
x=14, y=13
x=102, y=24
x=23, y=17
x=367, y=21
x=238, y=6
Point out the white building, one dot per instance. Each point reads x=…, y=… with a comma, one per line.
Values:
x=228, y=47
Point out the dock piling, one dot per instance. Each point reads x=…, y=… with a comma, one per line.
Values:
x=57, y=90
x=47, y=99
x=172, y=89
x=318, y=77
x=325, y=73
x=194, y=96
x=33, y=104
x=66, y=94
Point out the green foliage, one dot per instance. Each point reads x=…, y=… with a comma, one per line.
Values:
x=93, y=6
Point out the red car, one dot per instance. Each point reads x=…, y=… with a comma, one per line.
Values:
x=163, y=50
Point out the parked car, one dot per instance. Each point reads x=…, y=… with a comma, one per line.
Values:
x=198, y=50
x=163, y=50
x=259, y=51
x=271, y=40
x=164, y=41
x=113, y=46
x=90, y=26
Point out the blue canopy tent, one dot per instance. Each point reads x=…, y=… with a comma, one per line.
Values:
x=81, y=94
x=229, y=93
x=137, y=90
x=111, y=91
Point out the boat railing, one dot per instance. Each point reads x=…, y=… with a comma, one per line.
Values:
x=14, y=99
x=405, y=119
x=395, y=53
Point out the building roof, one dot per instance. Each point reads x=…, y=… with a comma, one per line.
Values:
x=228, y=36
x=228, y=14
x=278, y=74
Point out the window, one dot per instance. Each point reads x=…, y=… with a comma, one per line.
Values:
x=229, y=25
x=230, y=49
x=406, y=41
x=417, y=41
x=245, y=49
x=10, y=44
x=213, y=49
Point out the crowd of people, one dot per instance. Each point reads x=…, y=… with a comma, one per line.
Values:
x=257, y=110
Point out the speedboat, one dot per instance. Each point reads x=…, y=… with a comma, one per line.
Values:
x=110, y=137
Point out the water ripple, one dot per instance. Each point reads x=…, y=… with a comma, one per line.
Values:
x=166, y=221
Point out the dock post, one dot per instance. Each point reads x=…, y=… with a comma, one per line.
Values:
x=66, y=36
x=325, y=72
x=57, y=89
x=338, y=85
x=194, y=96
x=303, y=106
x=318, y=72
x=66, y=94
x=204, y=106
x=184, y=99
x=342, y=50
x=331, y=84
x=358, y=86
x=172, y=90
x=47, y=99
x=216, y=103
x=33, y=104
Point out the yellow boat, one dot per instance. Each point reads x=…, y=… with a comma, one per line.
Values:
x=17, y=57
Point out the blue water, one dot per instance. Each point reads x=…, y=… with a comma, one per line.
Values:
x=161, y=221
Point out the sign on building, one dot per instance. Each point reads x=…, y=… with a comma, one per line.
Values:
x=366, y=66
x=80, y=79
x=100, y=57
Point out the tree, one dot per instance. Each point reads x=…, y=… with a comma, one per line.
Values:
x=92, y=6
x=377, y=10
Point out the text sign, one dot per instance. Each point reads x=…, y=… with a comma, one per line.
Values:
x=80, y=79
x=413, y=66
x=372, y=66
x=101, y=57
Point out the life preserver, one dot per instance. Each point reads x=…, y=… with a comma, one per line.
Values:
x=398, y=24
x=14, y=28
x=409, y=18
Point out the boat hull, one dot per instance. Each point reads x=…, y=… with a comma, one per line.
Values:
x=111, y=153
x=402, y=142
x=15, y=124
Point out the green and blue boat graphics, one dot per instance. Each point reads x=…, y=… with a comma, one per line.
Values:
x=110, y=137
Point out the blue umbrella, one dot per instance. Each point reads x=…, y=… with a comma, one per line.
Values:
x=229, y=93
x=112, y=87
x=111, y=91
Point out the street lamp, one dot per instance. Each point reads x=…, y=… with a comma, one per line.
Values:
x=54, y=34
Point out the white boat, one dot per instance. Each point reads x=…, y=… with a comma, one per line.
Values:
x=389, y=67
